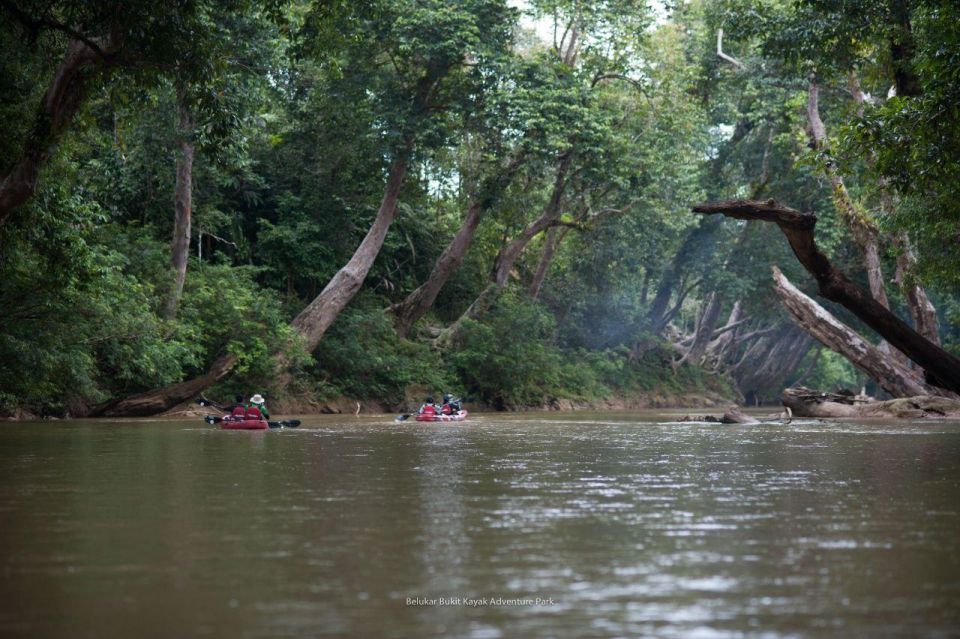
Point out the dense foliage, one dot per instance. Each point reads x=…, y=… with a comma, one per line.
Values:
x=605, y=120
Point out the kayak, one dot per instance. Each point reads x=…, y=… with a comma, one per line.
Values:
x=458, y=416
x=244, y=424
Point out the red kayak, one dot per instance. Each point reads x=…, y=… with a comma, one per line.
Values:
x=458, y=416
x=232, y=423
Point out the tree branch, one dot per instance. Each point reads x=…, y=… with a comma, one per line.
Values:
x=943, y=369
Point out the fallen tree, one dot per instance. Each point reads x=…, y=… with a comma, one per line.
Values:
x=817, y=321
x=942, y=369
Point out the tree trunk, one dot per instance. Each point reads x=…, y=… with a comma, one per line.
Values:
x=771, y=358
x=862, y=228
x=692, y=248
x=554, y=237
x=60, y=103
x=417, y=303
x=804, y=402
x=942, y=368
x=157, y=401
x=921, y=308
x=507, y=256
x=182, y=209
x=826, y=329
x=704, y=330
x=316, y=318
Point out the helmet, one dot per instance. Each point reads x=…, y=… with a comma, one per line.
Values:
x=447, y=397
x=430, y=400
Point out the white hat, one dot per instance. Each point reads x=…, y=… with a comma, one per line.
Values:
x=256, y=399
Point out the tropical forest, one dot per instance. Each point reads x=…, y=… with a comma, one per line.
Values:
x=542, y=204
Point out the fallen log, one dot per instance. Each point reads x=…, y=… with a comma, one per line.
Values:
x=804, y=402
x=733, y=416
x=886, y=369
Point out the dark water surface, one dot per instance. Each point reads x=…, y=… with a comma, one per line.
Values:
x=631, y=527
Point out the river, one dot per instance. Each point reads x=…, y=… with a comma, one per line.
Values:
x=536, y=525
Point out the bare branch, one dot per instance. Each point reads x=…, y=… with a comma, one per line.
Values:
x=724, y=56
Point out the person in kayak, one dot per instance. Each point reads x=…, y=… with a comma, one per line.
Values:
x=428, y=407
x=238, y=409
x=257, y=408
x=449, y=405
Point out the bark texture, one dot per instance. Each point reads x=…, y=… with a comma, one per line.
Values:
x=60, y=103
x=942, y=368
x=182, y=210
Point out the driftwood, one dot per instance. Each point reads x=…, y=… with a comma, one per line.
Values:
x=733, y=416
x=809, y=403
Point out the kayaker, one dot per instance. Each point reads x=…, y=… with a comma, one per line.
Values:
x=448, y=407
x=238, y=409
x=428, y=407
x=257, y=408
x=451, y=406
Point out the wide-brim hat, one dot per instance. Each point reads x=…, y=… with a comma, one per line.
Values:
x=256, y=399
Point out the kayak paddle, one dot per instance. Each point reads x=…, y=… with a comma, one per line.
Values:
x=290, y=423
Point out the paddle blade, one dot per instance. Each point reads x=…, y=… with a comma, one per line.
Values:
x=212, y=419
x=402, y=418
x=275, y=424
x=291, y=423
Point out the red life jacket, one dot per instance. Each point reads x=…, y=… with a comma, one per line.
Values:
x=253, y=413
x=447, y=409
x=429, y=409
x=239, y=412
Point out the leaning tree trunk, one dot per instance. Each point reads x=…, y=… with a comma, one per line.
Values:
x=942, y=368
x=554, y=236
x=59, y=105
x=507, y=255
x=418, y=302
x=316, y=318
x=771, y=358
x=182, y=209
x=157, y=401
x=894, y=378
x=724, y=337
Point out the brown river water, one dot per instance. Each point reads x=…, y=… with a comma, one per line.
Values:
x=538, y=525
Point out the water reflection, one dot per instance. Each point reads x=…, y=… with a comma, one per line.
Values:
x=621, y=525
